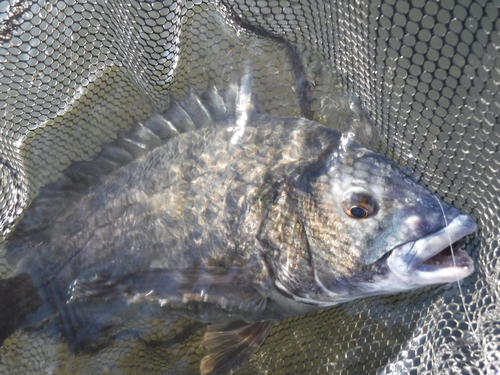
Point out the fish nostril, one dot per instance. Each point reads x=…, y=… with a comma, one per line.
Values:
x=414, y=223
x=418, y=225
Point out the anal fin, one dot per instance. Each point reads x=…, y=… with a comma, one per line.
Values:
x=229, y=345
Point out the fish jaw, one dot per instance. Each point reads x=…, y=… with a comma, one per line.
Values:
x=419, y=263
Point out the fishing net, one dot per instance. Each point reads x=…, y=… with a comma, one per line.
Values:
x=74, y=74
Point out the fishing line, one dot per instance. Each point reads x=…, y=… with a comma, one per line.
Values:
x=458, y=281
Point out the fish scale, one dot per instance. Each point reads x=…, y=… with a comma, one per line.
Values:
x=237, y=223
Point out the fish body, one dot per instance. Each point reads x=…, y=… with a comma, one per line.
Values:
x=240, y=220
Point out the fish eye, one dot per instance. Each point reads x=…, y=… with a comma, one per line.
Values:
x=357, y=212
x=358, y=203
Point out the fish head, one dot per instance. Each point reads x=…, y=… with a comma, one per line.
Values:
x=395, y=234
x=369, y=229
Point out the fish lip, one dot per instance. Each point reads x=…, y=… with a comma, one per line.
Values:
x=408, y=260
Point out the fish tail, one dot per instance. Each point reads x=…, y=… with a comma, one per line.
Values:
x=18, y=298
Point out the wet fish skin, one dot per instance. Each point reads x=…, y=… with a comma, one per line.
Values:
x=329, y=256
x=198, y=212
x=195, y=214
x=239, y=221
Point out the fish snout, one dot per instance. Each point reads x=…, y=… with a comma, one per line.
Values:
x=435, y=258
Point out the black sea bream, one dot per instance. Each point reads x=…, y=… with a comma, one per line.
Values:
x=230, y=217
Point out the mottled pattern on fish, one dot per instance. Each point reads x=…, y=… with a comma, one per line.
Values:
x=240, y=220
x=185, y=205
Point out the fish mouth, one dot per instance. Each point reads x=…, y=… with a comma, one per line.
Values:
x=432, y=260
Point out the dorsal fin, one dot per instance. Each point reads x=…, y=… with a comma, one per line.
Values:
x=193, y=112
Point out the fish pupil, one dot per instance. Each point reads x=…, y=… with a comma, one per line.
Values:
x=358, y=212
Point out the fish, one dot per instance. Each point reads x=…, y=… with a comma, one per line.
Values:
x=228, y=216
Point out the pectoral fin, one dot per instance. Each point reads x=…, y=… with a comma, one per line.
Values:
x=208, y=292
x=210, y=287
x=230, y=345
